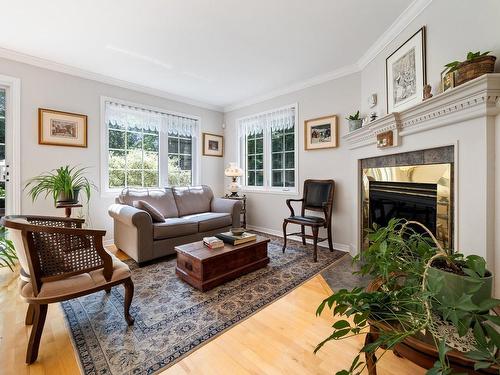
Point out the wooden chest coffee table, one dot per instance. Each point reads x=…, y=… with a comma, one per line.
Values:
x=204, y=268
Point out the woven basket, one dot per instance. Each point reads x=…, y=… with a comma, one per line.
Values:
x=468, y=70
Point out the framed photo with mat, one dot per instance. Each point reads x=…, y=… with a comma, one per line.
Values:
x=321, y=133
x=405, y=73
x=59, y=128
x=213, y=145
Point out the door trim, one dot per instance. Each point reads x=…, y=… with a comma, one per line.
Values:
x=13, y=137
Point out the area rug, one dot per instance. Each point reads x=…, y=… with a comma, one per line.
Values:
x=172, y=318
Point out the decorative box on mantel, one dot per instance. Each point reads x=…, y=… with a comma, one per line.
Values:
x=476, y=98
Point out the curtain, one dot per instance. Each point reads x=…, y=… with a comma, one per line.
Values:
x=283, y=118
x=135, y=117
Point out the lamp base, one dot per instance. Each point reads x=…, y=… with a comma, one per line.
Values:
x=234, y=194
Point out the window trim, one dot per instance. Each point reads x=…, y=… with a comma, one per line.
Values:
x=105, y=190
x=267, y=188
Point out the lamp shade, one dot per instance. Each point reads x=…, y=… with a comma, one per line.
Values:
x=233, y=170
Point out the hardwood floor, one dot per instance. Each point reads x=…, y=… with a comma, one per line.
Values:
x=277, y=340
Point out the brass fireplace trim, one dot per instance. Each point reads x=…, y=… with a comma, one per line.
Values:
x=439, y=174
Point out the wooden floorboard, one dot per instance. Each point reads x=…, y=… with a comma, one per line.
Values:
x=277, y=340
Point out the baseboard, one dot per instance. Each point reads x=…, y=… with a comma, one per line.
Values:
x=336, y=245
x=108, y=242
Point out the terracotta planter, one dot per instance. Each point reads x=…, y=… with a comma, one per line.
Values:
x=468, y=70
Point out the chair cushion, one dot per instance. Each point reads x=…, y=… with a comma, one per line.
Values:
x=307, y=219
x=161, y=199
x=210, y=220
x=78, y=283
x=192, y=199
x=174, y=227
x=155, y=214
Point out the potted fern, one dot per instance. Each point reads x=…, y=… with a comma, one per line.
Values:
x=63, y=184
x=418, y=287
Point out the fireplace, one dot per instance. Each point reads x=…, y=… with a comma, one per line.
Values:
x=421, y=192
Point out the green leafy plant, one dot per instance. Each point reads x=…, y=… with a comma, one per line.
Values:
x=404, y=301
x=67, y=181
x=2, y=192
x=7, y=252
x=452, y=66
x=354, y=116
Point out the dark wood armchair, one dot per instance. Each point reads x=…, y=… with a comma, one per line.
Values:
x=318, y=196
x=61, y=261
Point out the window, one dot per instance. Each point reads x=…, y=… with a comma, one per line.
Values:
x=180, y=160
x=268, y=150
x=255, y=159
x=146, y=148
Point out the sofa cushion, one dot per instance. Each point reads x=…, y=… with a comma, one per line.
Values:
x=174, y=227
x=161, y=199
x=210, y=220
x=155, y=214
x=192, y=199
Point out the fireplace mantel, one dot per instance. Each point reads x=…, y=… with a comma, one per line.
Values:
x=477, y=98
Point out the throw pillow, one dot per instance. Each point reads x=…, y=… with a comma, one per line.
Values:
x=155, y=214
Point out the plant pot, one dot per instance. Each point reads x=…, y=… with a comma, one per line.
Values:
x=454, y=286
x=468, y=70
x=68, y=199
x=354, y=124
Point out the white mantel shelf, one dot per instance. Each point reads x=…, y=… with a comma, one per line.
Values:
x=477, y=98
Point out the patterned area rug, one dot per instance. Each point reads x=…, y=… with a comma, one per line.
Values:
x=172, y=318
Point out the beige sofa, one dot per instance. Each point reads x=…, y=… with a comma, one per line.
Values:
x=190, y=213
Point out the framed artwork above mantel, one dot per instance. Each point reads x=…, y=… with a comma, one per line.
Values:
x=405, y=73
x=59, y=128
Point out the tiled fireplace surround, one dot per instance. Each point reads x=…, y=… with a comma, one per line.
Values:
x=466, y=118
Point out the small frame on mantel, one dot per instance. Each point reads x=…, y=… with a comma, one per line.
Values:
x=385, y=139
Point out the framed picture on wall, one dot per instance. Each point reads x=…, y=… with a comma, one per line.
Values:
x=213, y=145
x=61, y=128
x=320, y=133
x=405, y=73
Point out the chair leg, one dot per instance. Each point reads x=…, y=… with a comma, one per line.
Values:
x=129, y=294
x=108, y=290
x=30, y=315
x=330, y=237
x=36, y=333
x=303, y=231
x=284, y=235
x=315, y=238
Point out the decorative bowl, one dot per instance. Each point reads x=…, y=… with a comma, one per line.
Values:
x=237, y=231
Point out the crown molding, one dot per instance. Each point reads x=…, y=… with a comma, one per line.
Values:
x=334, y=74
x=401, y=23
x=86, y=74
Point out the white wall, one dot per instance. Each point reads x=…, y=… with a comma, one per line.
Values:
x=453, y=28
x=339, y=97
x=49, y=89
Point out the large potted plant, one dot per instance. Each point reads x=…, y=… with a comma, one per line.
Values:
x=412, y=277
x=63, y=184
x=476, y=64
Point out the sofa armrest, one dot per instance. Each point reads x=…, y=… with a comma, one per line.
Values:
x=229, y=206
x=133, y=231
x=131, y=216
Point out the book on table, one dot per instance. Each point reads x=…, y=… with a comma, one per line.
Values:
x=230, y=238
x=213, y=242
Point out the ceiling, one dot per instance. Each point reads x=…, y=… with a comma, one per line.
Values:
x=218, y=52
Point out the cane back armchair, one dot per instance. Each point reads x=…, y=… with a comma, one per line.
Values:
x=318, y=196
x=60, y=261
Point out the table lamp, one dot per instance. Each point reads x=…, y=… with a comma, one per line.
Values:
x=234, y=172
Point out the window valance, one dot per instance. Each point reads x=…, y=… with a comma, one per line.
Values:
x=283, y=118
x=130, y=116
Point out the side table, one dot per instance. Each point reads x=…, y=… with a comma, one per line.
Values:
x=67, y=207
x=243, y=199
